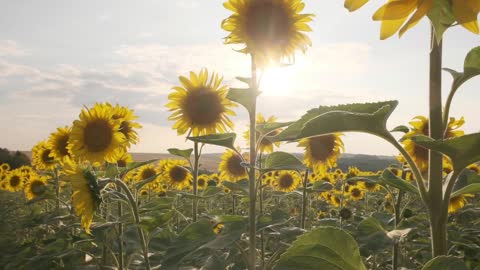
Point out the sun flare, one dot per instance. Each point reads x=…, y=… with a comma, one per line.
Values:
x=278, y=81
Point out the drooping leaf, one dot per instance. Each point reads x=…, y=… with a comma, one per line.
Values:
x=392, y=180
x=135, y=165
x=472, y=189
x=372, y=237
x=325, y=248
x=142, y=183
x=243, y=96
x=321, y=186
x=445, y=263
x=365, y=117
x=401, y=128
x=471, y=68
x=224, y=139
x=283, y=161
x=186, y=153
x=237, y=187
x=462, y=151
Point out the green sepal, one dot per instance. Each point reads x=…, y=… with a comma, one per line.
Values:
x=441, y=17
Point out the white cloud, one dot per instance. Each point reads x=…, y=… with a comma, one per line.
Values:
x=9, y=48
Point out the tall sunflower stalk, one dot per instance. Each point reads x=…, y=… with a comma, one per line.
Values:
x=396, y=16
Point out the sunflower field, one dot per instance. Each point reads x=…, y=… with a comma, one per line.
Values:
x=84, y=203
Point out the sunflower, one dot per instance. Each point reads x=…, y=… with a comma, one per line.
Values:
x=127, y=124
x=35, y=187
x=369, y=186
x=96, y=136
x=58, y=143
x=145, y=172
x=200, y=105
x=334, y=200
x=42, y=157
x=86, y=193
x=123, y=159
x=420, y=127
x=176, y=175
x=5, y=167
x=266, y=146
x=214, y=177
x=286, y=181
x=394, y=14
x=322, y=152
x=271, y=30
x=356, y=193
x=15, y=181
x=231, y=168
x=458, y=202
x=202, y=181
x=267, y=178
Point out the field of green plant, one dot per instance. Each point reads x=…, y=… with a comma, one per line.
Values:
x=84, y=203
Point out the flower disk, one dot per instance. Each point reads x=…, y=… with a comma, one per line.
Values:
x=42, y=156
x=231, y=168
x=97, y=136
x=322, y=152
x=271, y=30
x=200, y=105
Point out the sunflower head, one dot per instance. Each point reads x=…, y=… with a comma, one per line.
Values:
x=231, y=167
x=176, y=174
x=5, y=167
x=85, y=192
x=58, y=143
x=266, y=145
x=96, y=136
x=356, y=193
x=321, y=152
x=123, y=159
x=271, y=30
x=200, y=106
x=36, y=187
x=128, y=125
x=146, y=172
x=369, y=186
x=15, y=180
x=42, y=157
x=286, y=181
x=202, y=181
x=458, y=202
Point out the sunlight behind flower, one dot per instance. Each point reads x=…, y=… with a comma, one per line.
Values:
x=278, y=81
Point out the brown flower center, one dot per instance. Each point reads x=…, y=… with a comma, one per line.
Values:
x=201, y=182
x=203, y=106
x=268, y=24
x=178, y=174
x=62, y=144
x=148, y=173
x=46, y=158
x=15, y=180
x=98, y=135
x=285, y=181
x=125, y=128
x=356, y=193
x=322, y=147
x=234, y=166
x=121, y=163
x=37, y=188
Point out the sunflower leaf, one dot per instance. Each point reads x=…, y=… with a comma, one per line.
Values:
x=372, y=237
x=246, y=80
x=441, y=17
x=142, y=183
x=445, y=263
x=241, y=187
x=269, y=127
x=467, y=177
x=135, y=165
x=322, y=248
x=321, y=186
x=472, y=189
x=401, y=128
x=225, y=139
x=392, y=180
x=471, y=68
x=360, y=117
x=283, y=161
x=243, y=96
x=462, y=151
x=186, y=153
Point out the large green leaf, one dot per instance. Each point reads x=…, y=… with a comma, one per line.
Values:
x=471, y=68
x=135, y=165
x=325, y=248
x=365, y=117
x=467, y=177
x=372, y=237
x=269, y=127
x=445, y=263
x=283, y=161
x=392, y=180
x=186, y=153
x=237, y=187
x=462, y=151
x=243, y=96
x=441, y=17
x=224, y=139
x=469, y=189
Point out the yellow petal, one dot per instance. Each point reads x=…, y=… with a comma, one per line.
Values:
x=395, y=10
x=353, y=5
x=466, y=12
x=422, y=10
x=390, y=27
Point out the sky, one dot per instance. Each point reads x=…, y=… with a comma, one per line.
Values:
x=57, y=56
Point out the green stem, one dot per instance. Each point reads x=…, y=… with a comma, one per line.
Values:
x=120, y=233
x=57, y=190
x=262, y=236
x=396, y=208
x=252, y=234
x=195, y=181
x=435, y=181
x=136, y=216
x=304, y=200
x=446, y=113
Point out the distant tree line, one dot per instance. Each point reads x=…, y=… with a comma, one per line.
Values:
x=14, y=159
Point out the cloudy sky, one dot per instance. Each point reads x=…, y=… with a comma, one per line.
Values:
x=57, y=56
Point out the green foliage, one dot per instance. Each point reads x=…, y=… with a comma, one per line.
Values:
x=186, y=153
x=283, y=161
x=326, y=248
x=445, y=263
x=225, y=139
x=471, y=68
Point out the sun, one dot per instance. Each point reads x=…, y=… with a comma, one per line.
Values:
x=278, y=81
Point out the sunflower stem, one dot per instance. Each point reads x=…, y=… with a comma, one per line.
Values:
x=57, y=189
x=304, y=200
x=437, y=216
x=120, y=233
x=136, y=216
x=251, y=172
x=196, y=159
x=262, y=236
